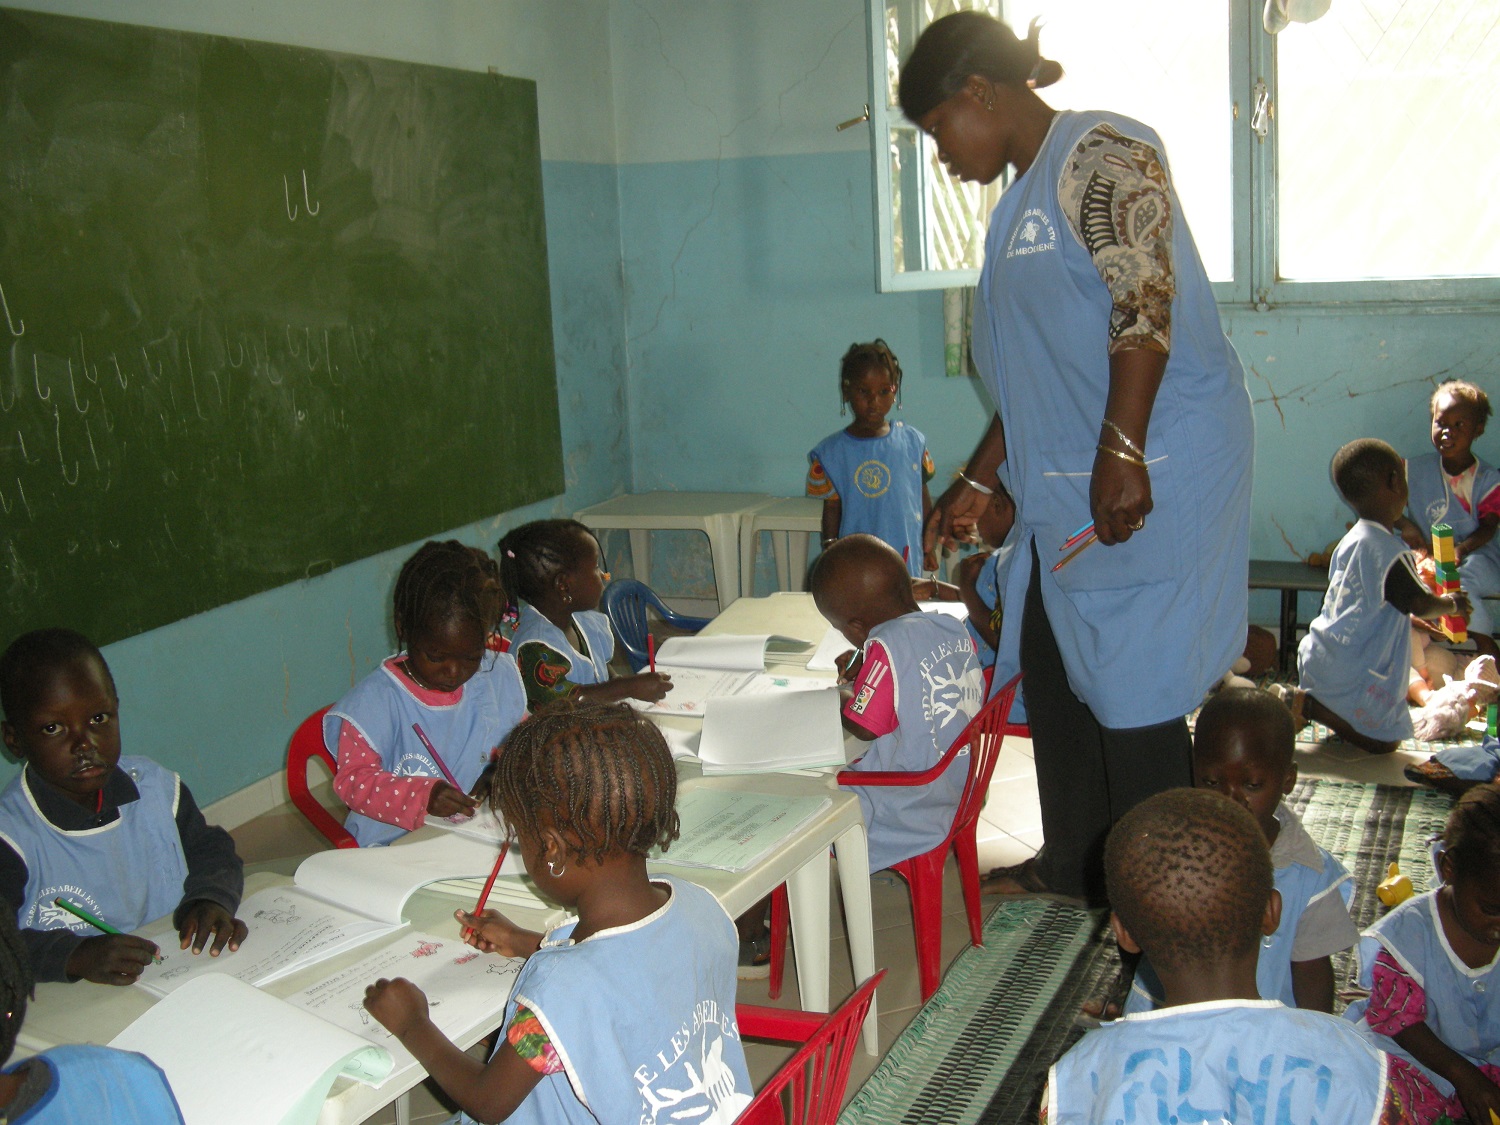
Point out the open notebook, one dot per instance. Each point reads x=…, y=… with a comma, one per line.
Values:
x=704, y=668
x=237, y=1056
x=339, y=899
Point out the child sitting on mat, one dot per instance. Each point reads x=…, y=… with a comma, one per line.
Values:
x=1432, y=966
x=1242, y=748
x=1354, y=665
x=1189, y=877
x=916, y=683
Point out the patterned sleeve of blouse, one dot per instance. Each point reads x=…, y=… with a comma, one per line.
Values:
x=1115, y=196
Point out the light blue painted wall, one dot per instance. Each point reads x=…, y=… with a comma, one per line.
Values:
x=216, y=696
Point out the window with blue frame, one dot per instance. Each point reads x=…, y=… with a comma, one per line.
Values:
x=1344, y=160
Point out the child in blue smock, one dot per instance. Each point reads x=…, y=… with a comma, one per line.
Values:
x=872, y=476
x=627, y=1012
x=1354, y=664
x=73, y=1083
x=414, y=736
x=1189, y=878
x=1453, y=486
x=981, y=576
x=119, y=837
x=1242, y=747
x=562, y=643
x=916, y=684
x=1432, y=966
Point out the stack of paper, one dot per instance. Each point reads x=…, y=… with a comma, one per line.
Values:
x=767, y=733
x=704, y=668
x=735, y=831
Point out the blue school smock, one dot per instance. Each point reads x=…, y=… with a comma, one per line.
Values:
x=642, y=1019
x=100, y=1084
x=879, y=483
x=1220, y=1061
x=1462, y=1009
x=939, y=688
x=127, y=873
x=1147, y=626
x=1431, y=501
x=384, y=710
x=1356, y=657
x=593, y=668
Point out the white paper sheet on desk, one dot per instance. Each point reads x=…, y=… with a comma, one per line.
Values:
x=733, y=831
x=485, y=826
x=463, y=987
x=765, y=733
x=237, y=1056
x=725, y=652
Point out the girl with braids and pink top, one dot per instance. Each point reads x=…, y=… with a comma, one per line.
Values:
x=415, y=735
x=626, y=1012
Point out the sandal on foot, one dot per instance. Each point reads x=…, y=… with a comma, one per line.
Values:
x=1432, y=772
x=1018, y=879
x=755, y=958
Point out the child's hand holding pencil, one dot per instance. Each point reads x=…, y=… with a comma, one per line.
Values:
x=489, y=931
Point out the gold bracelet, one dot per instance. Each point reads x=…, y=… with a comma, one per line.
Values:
x=1122, y=456
x=1130, y=445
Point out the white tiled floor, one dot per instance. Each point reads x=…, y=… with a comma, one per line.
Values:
x=1010, y=831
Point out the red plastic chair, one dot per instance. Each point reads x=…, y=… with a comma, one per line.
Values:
x=924, y=873
x=809, y=1088
x=307, y=744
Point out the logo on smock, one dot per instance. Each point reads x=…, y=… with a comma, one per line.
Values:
x=1033, y=233
x=1437, y=511
x=872, y=479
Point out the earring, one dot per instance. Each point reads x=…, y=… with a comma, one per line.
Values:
x=567, y=598
x=554, y=872
x=1268, y=941
x=989, y=103
x=843, y=408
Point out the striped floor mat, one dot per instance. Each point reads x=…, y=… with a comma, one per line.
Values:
x=978, y=1052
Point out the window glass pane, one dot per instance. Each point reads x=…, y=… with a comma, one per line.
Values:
x=1169, y=70
x=1385, y=121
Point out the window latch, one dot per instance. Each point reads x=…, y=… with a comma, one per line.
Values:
x=1260, y=120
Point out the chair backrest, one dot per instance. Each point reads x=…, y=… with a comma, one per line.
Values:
x=307, y=744
x=809, y=1087
x=985, y=734
x=625, y=601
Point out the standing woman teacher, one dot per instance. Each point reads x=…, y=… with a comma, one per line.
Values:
x=1118, y=401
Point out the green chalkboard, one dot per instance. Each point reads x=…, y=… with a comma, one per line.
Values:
x=263, y=310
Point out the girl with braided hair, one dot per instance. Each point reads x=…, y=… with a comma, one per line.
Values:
x=627, y=1010
x=414, y=736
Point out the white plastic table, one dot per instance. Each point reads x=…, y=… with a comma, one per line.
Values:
x=716, y=514
x=789, y=520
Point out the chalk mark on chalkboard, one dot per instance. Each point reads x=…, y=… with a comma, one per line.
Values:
x=332, y=367
x=22, y=490
x=94, y=452
x=232, y=362
x=36, y=379
x=146, y=359
x=73, y=386
x=119, y=374
x=62, y=462
x=11, y=324
x=306, y=202
x=84, y=360
x=25, y=460
x=286, y=191
x=109, y=421
x=193, y=381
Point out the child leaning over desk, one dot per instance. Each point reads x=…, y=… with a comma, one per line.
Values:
x=1189, y=878
x=562, y=643
x=916, y=685
x=872, y=476
x=1354, y=664
x=120, y=838
x=414, y=736
x=627, y=1013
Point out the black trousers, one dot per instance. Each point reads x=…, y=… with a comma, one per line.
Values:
x=1087, y=775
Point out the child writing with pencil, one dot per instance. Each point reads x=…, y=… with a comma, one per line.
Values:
x=916, y=684
x=562, y=643
x=91, y=841
x=1354, y=664
x=627, y=1012
x=414, y=736
x=872, y=475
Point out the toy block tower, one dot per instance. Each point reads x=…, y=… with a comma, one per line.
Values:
x=1447, y=574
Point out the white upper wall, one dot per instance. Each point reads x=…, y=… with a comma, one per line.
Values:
x=705, y=79
x=563, y=45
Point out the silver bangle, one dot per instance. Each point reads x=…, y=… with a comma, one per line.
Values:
x=975, y=485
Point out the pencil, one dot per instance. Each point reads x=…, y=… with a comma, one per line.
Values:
x=484, y=895
x=651, y=651
x=431, y=749
x=1086, y=529
x=98, y=924
x=1078, y=550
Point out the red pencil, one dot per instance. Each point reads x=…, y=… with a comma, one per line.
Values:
x=651, y=650
x=431, y=749
x=484, y=895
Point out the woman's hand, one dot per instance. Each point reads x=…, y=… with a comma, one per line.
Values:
x=1119, y=497
x=953, y=518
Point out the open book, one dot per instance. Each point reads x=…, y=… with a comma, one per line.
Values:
x=704, y=668
x=338, y=899
x=766, y=733
x=234, y=1054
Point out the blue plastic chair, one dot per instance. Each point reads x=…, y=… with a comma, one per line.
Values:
x=626, y=601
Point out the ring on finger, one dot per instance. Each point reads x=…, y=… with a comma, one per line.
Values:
x=1140, y=523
